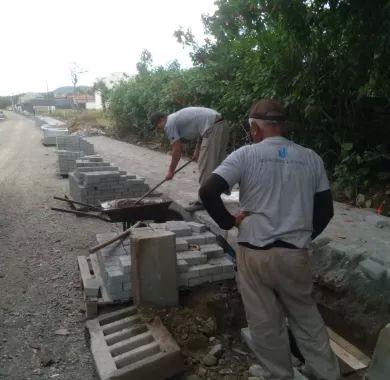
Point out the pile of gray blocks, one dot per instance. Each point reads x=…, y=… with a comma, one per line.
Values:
x=115, y=264
x=70, y=149
x=51, y=132
x=94, y=181
x=199, y=258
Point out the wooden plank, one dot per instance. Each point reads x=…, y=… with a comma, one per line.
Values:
x=347, y=352
x=84, y=269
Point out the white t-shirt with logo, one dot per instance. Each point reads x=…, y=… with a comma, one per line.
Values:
x=189, y=123
x=278, y=180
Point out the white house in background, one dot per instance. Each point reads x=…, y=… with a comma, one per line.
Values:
x=98, y=101
x=110, y=81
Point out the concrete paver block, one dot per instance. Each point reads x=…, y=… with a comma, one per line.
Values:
x=181, y=245
x=212, y=250
x=192, y=257
x=125, y=347
x=154, y=268
x=197, y=227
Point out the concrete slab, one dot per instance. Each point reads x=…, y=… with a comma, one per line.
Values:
x=125, y=347
x=154, y=268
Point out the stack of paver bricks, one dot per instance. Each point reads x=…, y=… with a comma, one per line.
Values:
x=50, y=134
x=70, y=149
x=199, y=258
x=94, y=181
x=115, y=264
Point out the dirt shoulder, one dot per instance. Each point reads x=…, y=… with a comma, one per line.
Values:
x=39, y=280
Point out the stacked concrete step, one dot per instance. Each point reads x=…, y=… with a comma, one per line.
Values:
x=124, y=346
x=70, y=149
x=199, y=258
x=50, y=134
x=94, y=181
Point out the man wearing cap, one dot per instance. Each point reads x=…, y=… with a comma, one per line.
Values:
x=204, y=124
x=285, y=202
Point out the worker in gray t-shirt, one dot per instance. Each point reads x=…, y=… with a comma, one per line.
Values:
x=205, y=125
x=285, y=202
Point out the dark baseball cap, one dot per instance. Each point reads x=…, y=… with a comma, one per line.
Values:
x=268, y=110
x=155, y=118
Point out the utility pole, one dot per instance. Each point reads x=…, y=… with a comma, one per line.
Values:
x=47, y=95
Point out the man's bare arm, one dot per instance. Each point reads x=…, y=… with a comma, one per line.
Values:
x=176, y=155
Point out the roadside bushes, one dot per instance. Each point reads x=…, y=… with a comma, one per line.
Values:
x=327, y=61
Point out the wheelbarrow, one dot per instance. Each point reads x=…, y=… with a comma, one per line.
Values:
x=126, y=211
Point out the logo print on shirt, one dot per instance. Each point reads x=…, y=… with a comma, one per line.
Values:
x=283, y=153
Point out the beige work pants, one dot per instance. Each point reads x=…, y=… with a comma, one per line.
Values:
x=276, y=284
x=213, y=149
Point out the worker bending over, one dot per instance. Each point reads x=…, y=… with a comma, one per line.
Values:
x=205, y=125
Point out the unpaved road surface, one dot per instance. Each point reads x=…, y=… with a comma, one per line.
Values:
x=39, y=280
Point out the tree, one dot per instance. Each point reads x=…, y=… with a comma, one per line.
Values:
x=144, y=66
x=75, y=71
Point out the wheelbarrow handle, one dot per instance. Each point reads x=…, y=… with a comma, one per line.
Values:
x=92, y=207
x=118, y=237
x=164, y=180
x=80, y=213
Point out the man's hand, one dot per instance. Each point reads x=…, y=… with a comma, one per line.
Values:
x=240, y=216
x=169, y=175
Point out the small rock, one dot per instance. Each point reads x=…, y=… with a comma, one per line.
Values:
x=238, y=351
x=202, y=372
x=208, y=327
x=360, y=199
x=255, y=378
x=209, y=360
x=62, y=332
x=368, y=203
x=216, y=351
x=46, y=361
x=225, y=371
x=256, y=370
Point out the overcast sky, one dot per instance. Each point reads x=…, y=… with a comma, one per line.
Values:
x=39, y=39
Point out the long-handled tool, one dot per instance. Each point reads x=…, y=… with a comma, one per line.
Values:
x=163, y=181
x=108, y=242
x=126, y=232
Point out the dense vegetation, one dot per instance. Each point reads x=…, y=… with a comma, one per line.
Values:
x=327, y=61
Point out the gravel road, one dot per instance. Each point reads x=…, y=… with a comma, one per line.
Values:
x=39, y=280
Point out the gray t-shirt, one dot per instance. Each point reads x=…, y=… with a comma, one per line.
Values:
x=189, y=123
x=278, y=180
